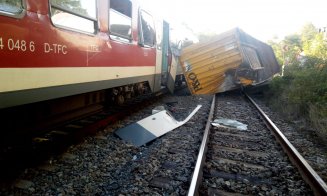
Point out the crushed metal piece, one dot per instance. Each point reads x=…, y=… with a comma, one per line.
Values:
x=221, y=122
x=100, y=137
x=150, y=128
x=23, y=184
x=158, y=109
x=69, y=156
x=160, y=182
x=47, y=167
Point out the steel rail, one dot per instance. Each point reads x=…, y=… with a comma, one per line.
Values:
x=197, y=174
x=318, y=186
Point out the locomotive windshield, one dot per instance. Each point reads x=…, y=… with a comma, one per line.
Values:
x=83, y=7
x=11, y=6
x=147, y=29
x=120, y=19
x=77, y=15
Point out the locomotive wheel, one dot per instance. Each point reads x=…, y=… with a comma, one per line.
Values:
x=120, y=99
x=140, y=89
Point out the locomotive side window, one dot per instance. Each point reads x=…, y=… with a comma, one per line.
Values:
x=147, y=32
x=120, y=19
x=11, y=7
x=77, y=15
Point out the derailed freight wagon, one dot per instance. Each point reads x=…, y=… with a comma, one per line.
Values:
x=226, y=62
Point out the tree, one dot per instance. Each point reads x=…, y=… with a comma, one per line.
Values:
x=206, y=36
x=73, y=5
x=292, y=47
x=313, y=42
x=302, y=91
x=308, y=32
x=12, y=2
x=277, y=47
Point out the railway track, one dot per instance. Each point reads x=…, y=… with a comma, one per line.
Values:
x=237, y=162
x=105, y=165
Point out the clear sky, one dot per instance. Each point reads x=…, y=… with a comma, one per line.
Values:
x=262, y=19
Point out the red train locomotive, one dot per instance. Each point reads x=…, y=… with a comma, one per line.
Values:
x=78, y=53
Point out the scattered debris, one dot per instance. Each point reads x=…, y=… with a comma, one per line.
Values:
x=162, y=183
x=221, y=122
x=100, y=137
x=150, y=128
x=24, y=184
x=172, y=103
x=47, y=167
x=69, y=156
x=158, y=109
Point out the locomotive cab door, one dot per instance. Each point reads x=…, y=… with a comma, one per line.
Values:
x=165, y=72
x=168, y=69
x=158, y=75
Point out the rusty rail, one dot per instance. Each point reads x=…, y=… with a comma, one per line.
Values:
x=197, y=174
x=318, y=186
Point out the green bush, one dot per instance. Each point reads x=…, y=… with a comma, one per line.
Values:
x=302, y=93
x=318, y=114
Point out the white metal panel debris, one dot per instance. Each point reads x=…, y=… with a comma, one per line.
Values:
x=229, y=123
x=150, y=128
